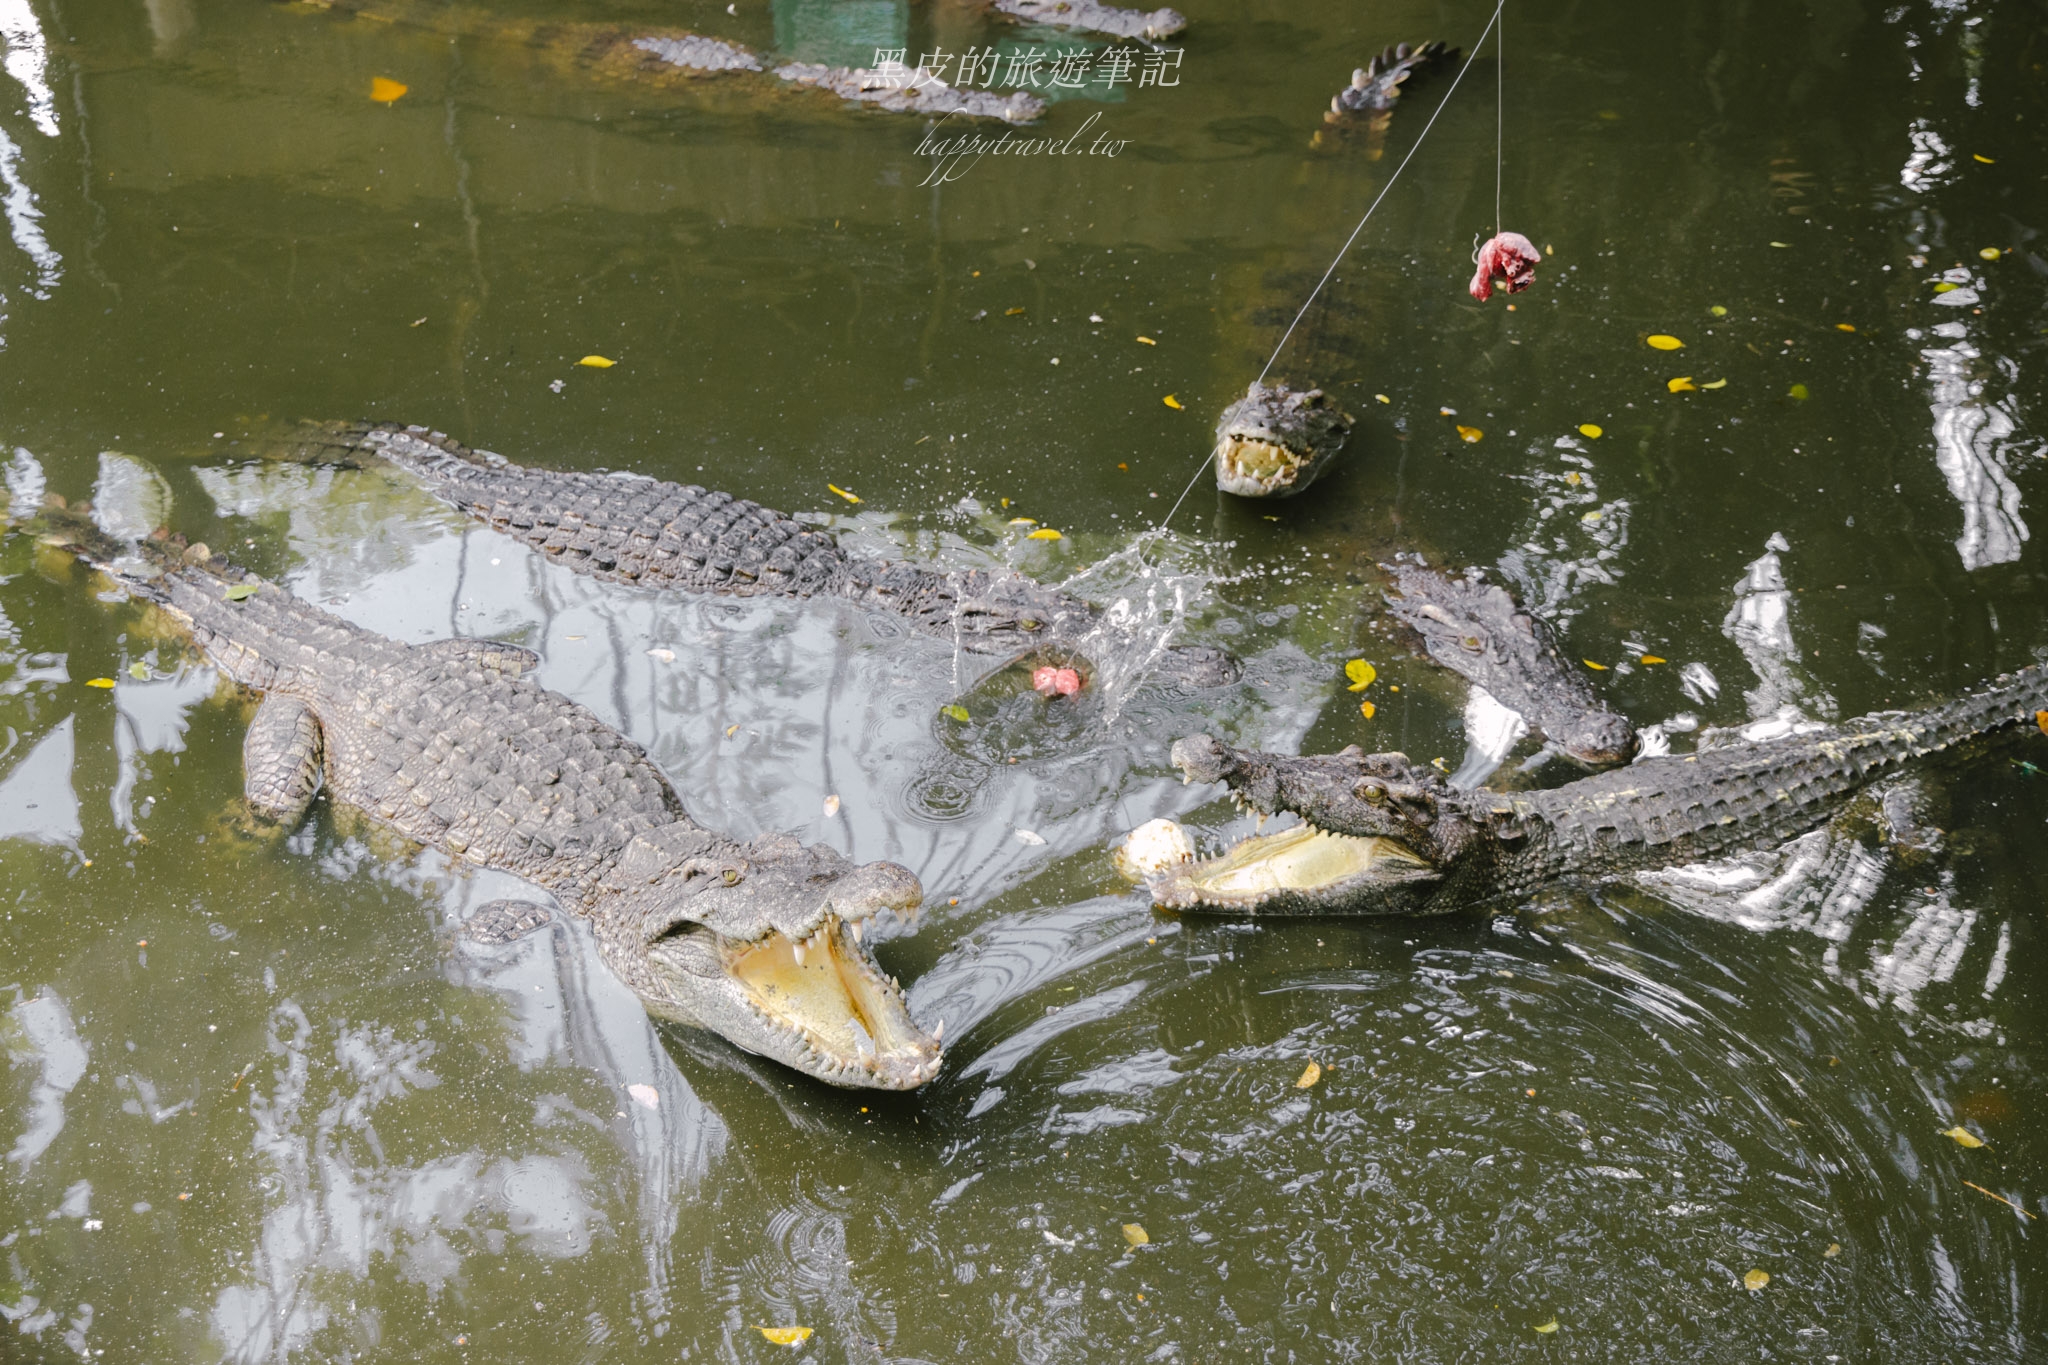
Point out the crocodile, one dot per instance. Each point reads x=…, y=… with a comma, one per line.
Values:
x=1276, y=441
x=665, y=57
x=1367, y=104
x=1476, y=629
x=451, y=746
x=658, y=534
x=1383, y=836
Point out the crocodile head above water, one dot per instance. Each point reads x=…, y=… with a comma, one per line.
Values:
x=1275, y=441
x=1376, y=835
x=765, y=944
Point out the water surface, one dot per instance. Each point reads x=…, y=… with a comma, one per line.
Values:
x=262, y=1104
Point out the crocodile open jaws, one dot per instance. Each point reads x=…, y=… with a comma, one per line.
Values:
x=448, y=744
x=1382, y=836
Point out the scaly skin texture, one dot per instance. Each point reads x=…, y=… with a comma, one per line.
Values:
x=448, y=745
x=1276, y=441
x=684, y=537
x=656, y=57
x=1660, y=812
x=1476, y=629
x=1377, y=85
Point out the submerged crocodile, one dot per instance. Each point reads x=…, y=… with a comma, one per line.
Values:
x=654, y=56
x=1382, y=836
x=1276, y=441
x=681, y=536
x=1476, y=629
x=1376, y=86
x=447, y=744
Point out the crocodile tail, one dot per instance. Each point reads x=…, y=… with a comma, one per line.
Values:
x=2013, y=699
x=1375, y=86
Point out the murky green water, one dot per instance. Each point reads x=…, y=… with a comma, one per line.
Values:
x=262, y=1105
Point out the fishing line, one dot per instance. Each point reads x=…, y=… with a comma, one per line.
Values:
x=1306, y=303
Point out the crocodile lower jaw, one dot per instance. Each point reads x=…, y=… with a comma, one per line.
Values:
x=1300, y=870
x=843, y=1019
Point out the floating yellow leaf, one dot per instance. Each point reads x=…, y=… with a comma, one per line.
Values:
x=1597, y=668
x=384, y=90
x=1755, y=1280
x=99, y=682
x=1652, y=659
x=1023, y=521
x=1718, y=311
x=1310, y=1074
x=1663, y=342
x=1362, y=673
x=1717, y=384
x=1011, y=312
x=732, y=729
x=850, y=497
x=1383, y=398
x=832, y=805
x=1171, y=402
x=1590, y=431
x=1682, y=384
x=1797, y=391
x=139, y=671
x=1470, y=435
x=1985, y=159
x=2041, y=720
x=1781, y=244
x=955, y=712
x=1845, y=327
x=1963, y=1137
x=1834, y=1250
x=1147, y=341
x=597, y=362
x=786, y=1336
x=1545, y=1329
x=1989, y=253
x=1044, y=533
x=1367, y=709
x=1589, y=517
x=1945, y=286
x=240, y=592
x=1134, y=1233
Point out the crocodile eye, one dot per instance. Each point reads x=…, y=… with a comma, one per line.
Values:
x=1471, y=642
x=1373, y=792
x=732, y=876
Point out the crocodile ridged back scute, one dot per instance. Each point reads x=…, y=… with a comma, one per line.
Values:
x=663, y=534
x=447, y=749
x=1676, y=808
x=627, y=529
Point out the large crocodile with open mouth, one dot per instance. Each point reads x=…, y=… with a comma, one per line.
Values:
x=448, y=744
x=1383, y=836
x=658, y=534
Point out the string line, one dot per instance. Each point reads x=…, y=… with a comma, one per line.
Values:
x=1500, y=104
x=1338, y=258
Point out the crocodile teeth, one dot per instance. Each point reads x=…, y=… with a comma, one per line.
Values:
x=853, y=927
x=796, y=950
x=939, y=1031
